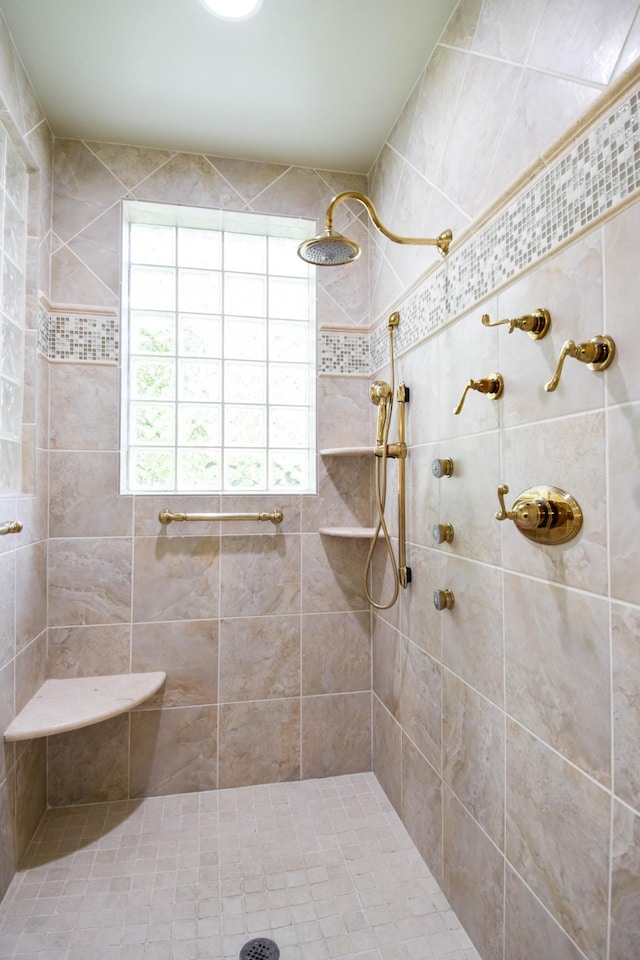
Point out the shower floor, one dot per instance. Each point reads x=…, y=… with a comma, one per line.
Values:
x=324, y=868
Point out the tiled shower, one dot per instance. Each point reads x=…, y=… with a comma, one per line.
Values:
x=504, y=731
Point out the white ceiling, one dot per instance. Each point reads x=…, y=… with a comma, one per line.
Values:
x=308, y=82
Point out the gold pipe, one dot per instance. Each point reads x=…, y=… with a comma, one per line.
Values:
x=403, y=571
x=165, y=516
x=441, y=242
x=10, y=526
x=383, y=452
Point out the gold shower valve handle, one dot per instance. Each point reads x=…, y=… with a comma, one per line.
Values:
x=543, y=514
x=493, y=386
x=597, y=353
x=536, y=324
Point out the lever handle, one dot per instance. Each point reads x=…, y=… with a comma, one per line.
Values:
x=598, y=353
x=503, y=513
x=536, y=324
x=493, y=386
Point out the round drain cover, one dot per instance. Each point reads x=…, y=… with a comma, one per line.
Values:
x=260, y=949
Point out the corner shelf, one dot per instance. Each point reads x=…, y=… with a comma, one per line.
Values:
x=346, y=452
x=352, y=533
x=62, y=705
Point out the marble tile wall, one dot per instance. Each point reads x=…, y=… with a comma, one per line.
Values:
x=23, y=557
x=264, y=634
x=512, y=753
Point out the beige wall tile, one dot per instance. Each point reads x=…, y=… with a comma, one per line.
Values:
x=463, y=355
x=421, y=806
x=7, y=841
x=567, y=453
x=30, y=793
x=30, y=666
x=259, y=658
x=191, y=179
x=336, y=734
x=625, y=630
x=387, y=753
x=259, y=742
x=570, y=287
x=557, y=837
x=594, y=49
x=473, y=878
x=343, y=412
x=188, y=653
x=259, y=575
x=83, y=189
x=473, y=754
x=335, y=653
x=416, y=615
x=89, y=765
x=468, y=499
x=130, y=165
x=7, y=713
x=472, y=632
x=620, y=296
x=623, y=426
x=344, y=494
x=85, y=413
x=31, y=586
x=89, y=581
x=88, y=651
x=7, y=606
x=173, y=751
x=175, y=578
x=83, y=498
x=625, y=889
x=558, y=669
x=331, y=574
x=530, y=931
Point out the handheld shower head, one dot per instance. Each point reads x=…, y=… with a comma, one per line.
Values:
x=330, y=248
x=381, y=394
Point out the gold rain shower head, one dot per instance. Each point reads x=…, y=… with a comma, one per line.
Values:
x=330, y=248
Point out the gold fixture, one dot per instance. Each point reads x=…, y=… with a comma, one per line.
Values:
x=330, y=248
x=381, y=394
x=443, y=600
x=10, y=526
x=536, y=324
x=165, y=516
x=597, y=353
x=442, y=532
x=442, y=467
x=543, y=514
x=493, y=386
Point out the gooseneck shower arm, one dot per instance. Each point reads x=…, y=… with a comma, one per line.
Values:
x=441, y=242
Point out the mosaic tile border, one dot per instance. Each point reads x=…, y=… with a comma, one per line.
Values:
x=344, y=353
x=77, y=338
x=597, y=174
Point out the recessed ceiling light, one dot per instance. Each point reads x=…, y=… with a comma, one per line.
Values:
x=232, y=9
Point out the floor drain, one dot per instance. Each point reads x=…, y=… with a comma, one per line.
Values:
x=260, y=949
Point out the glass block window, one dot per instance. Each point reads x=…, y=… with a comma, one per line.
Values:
x=13, y=234
x=219, y=352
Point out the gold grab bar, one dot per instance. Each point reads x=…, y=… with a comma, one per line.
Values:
x=165, y=516
x=10, y=526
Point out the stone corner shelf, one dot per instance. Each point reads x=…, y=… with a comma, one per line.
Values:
x=347, y=451
x=62, y=705
x=350, y=533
